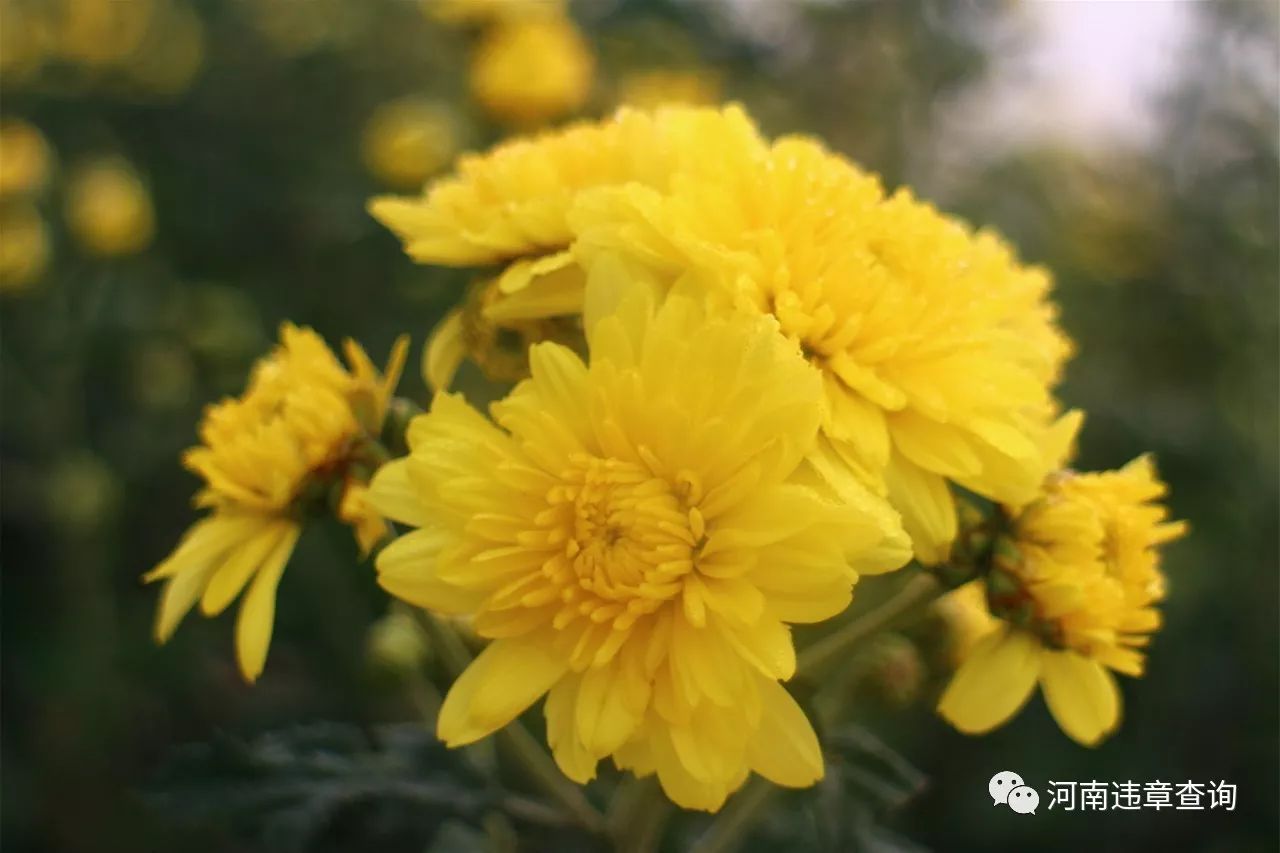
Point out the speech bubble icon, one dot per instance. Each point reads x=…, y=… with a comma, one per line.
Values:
x=1000, y=786
x=1024, y=800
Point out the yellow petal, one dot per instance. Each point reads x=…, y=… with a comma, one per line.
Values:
x=258, y=611
x=392, y=495
x=605, y=716
x=444, y=352
x=236, y=569
x=407, y=568
x=993, y=683
x=571, y=756
x=1082, y=696
x=927, y=507
x=502, y=682
x=784, y=749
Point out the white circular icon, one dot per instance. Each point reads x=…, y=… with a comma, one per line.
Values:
x=1001, y=784
x=1024, y=800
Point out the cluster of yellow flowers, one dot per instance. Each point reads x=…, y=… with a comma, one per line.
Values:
x=153, y=46
x=786, y=379
x=107, y=207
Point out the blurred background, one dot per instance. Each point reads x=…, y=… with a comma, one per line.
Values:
x=179, y=176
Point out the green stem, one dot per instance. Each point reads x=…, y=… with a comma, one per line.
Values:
x=817, y=658
x=522, y=745
x=637, y=816
x=736, y=819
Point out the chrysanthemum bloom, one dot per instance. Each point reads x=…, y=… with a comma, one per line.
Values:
x=510, y=207
x=527, y=71
x=937, y=349
x=1077, y=592
x=634, y=536
x=303, y=433
x=408, y=140
x=109, y=210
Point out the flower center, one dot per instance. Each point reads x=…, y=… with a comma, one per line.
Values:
x=630, y=540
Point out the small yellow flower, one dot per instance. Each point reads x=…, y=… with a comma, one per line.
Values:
x=466, y=12
x=528, y=71
x=24, y=159
x=24, y=246
x=1077, y=593
x=102, y=33
x=109, y=210
x=408, y=140
x=664, y=87
x=634, y=537
x=304, y=427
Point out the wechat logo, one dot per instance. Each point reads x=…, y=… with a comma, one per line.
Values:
x=1008, y=789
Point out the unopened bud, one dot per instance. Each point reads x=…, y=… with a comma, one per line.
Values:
x=396, y=643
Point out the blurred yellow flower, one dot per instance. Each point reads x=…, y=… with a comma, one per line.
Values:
x=304, y=431
x=24, y=159
x=634, y=536
x=1077, y=593
x=25, y=40
x=100, y=33
x=663, y=87
x=397, y=642
x=527, y=71
x=488, y=11
x=24, y=246
x=172, y=54
x=938, y=350
x=408, y=140
x=109, y=210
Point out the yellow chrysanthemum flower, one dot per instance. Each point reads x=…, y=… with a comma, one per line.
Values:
x=408, y=140
x=24, y=159
x=527, y=71
x=512, y=203
x=937, y=349
x=511, y=206
x=109, y=210
x=1077, y=592
x=634, y=536
x=304, y=430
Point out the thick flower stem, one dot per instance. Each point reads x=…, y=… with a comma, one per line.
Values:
x=522, y=745
x=818, y=658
